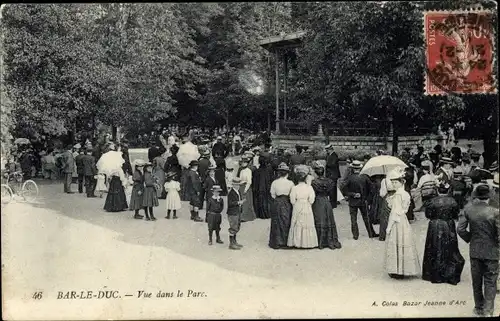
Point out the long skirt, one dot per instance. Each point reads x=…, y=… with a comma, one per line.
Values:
x=116, y=201
x=383, y=214
x=302, y=230
x=410, y=214
x=375, y=205
x=159, y=174
x=263, y=203
x=443, y=262
x=135, y=198
x=401, y=257
x=324, y=221
x=247, y=210
x=281, y=216
x=150, y=197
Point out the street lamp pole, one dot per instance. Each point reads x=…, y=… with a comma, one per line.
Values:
x=277, y=91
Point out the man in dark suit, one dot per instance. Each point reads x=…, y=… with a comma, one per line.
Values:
x=68, y=168
x=79, y=170
x=203, y=165
x=89, y=171
x=219, y=149
x=482, y=220
x=332, y=171
x=357, y=189
x=234, y=203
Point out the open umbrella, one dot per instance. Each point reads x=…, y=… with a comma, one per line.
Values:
x=21, y=141
x=110, y=162
x=381, y=165
x=187, y=153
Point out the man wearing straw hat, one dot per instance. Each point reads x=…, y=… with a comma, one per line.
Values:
x=482, y=235
x=357, y=188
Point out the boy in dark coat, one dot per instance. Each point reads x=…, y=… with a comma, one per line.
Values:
x=215, y=205
x=234, y=202
x=193, y=190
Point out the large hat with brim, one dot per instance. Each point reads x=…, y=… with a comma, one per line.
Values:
x=216, y=188
x=139, y=162
x=194, y=163
x=317, y=164
x=356, y=164
x=283, y=168
x=495, y=181
x=446, y=160
x=212, y=167
x=77, y=146
x=494, y=167
x=395, y=174
x=457, y=171
x=219, y=137
x=248, y=153
x=256, y=148
x=481, y=192
x=329, y=146
x=301, y=169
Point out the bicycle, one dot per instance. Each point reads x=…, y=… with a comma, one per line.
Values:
x=28, y=189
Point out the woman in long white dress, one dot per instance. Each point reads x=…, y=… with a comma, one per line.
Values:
x=302, y=228
x=401, y=257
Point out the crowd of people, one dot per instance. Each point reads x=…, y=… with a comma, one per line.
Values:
x=300, y=197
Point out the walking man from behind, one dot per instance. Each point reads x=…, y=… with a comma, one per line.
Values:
x=89, y=171
x=481, y=218
x=67, y=168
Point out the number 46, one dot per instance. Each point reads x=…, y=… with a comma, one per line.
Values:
x=37, y=295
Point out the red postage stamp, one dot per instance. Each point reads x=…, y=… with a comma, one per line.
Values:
x=459, y=52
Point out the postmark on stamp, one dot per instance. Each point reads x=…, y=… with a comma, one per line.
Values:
x=459, y=53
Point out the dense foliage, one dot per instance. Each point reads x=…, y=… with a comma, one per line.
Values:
x=133, y=64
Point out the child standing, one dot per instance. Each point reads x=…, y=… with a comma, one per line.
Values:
x=101, y=184
x=215, y=205
x=137, y=189
x=150, y=197
x=172, y=188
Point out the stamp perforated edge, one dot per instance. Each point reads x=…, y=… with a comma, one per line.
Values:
x=493, y=51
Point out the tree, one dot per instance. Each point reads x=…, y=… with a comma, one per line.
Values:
x=45, y=74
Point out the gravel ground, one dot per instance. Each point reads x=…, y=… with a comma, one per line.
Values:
x=68, y=243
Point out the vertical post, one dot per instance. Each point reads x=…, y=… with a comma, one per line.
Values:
x=277, y=81
x=285, y=84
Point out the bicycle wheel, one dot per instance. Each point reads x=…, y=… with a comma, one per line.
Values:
x=29, y=191
x=7, y=194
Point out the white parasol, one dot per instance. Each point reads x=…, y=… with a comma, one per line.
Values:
x=110, y=162
x=381, y=165
x=187, y=153
x=22, y=141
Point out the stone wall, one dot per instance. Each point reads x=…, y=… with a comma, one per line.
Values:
x=365, y=143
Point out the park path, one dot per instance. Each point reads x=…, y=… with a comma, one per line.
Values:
x=67, y=243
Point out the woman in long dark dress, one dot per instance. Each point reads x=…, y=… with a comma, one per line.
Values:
x=324, y=221
x=116, y=200
x=443, y=262
x=263, y=179
x=281, y=209
x=376, y=199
